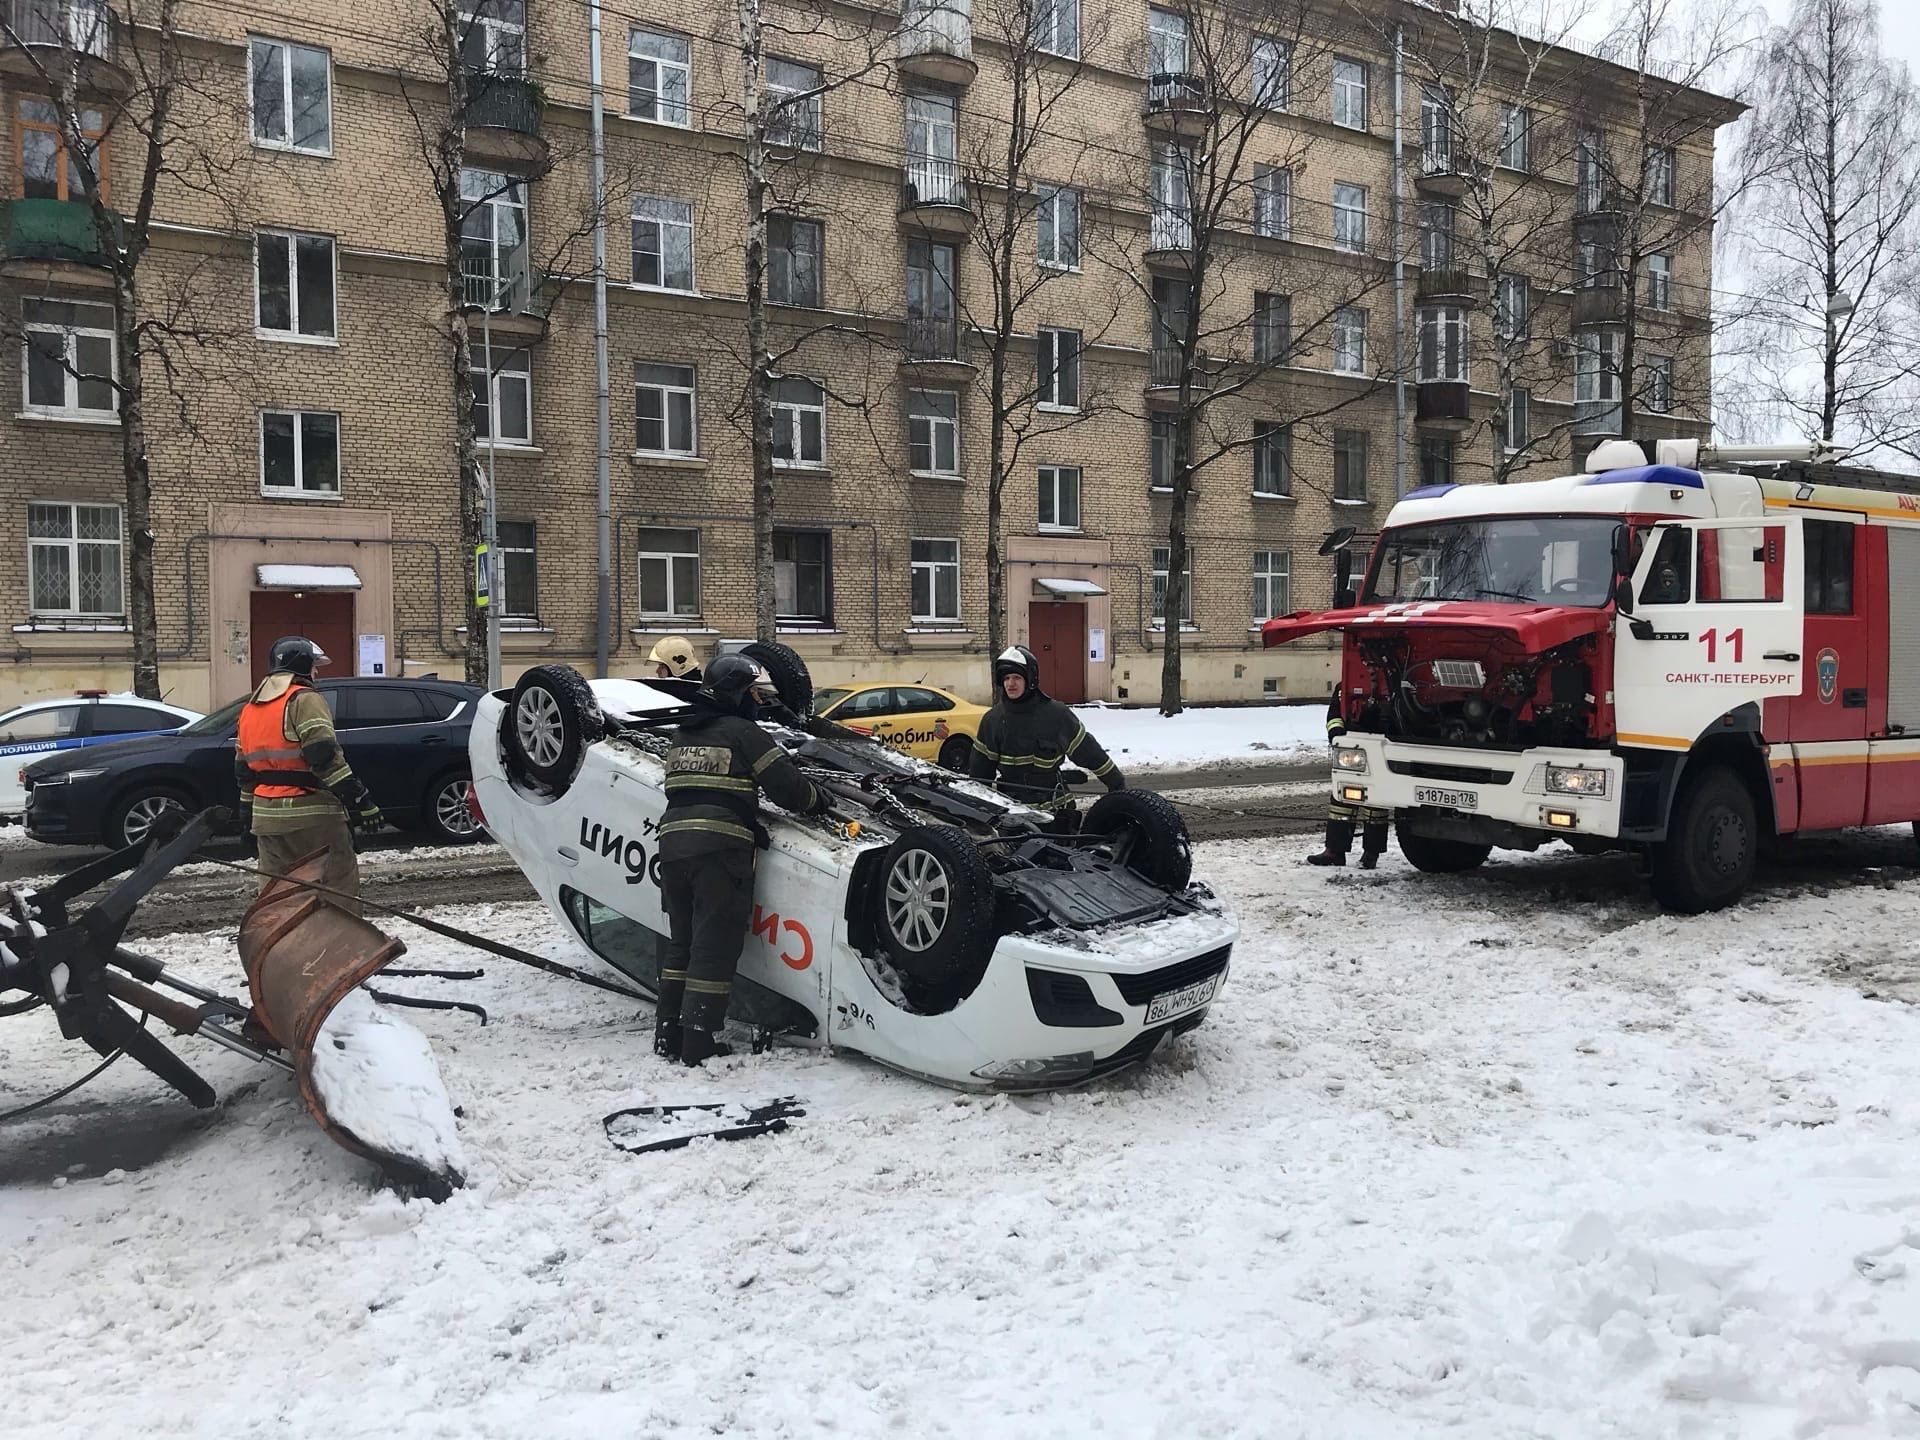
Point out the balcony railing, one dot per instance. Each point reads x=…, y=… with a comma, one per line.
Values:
x=83, y=26
x=1172, y=90
x=933, y=338
x=932, y=180
x=503, y=102
x=498, y=282
x=1163, y=367
x=1171, y=230
x=55, y=230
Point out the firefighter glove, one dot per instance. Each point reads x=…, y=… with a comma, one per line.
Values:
x=368, y=817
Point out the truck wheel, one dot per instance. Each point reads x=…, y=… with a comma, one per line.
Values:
x=935, y=903
x=1149, y=837
x=1435, y=856
x=1712, y=840
x=957, y=754
x=788, y=671
x=549, y=723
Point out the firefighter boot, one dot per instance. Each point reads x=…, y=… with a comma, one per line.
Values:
x=1373, y=843
x=698, y=1046
x=666, y=1039
x=1339, y=842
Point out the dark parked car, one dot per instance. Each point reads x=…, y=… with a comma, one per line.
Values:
x=406, y=738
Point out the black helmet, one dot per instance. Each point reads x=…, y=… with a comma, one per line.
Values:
x=296, y=655
x=1017, y=660
x=728, y=680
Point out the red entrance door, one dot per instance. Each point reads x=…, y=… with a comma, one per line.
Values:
x=323, y=616
x=1059, y=634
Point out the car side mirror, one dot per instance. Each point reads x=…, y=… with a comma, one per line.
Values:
x=1623, y=596
x=1337, y=539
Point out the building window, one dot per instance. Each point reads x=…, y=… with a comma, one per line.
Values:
x=799, y=422
x=1516, y=136
x=294, y=285
x=299, y=452
x=1172, y=218
x=936, y=581
x=1443, y=343
x=494, y=41
x=1166, y=43
x=1436, y=462
x=1057, y=221
x=1516, y=431
x=1659, y=185
x=74, y=560
x=1160, y=453
x=793, y=261
x=1660, y=384
x=68, y=359
x=45, y=171
x=292, y=97
x=519, y=597
x=669, y=573
x=933, y=431
x=1659, y=282
x=1272, y=327
x=1272, y=72
x=1059, y=369
x=1272, y=583
x=503, y=387
x=659, y=77
x=1350, y=340
x=933, y=331
x=1596, y=381
x=1272, y=201
x=793, y=104
x=663, y=409
x=662, y=243
x=803, y=576
x=1436, y=131
x=1056, y=27
x=1587, y=172
x=933, y=150
x=1350, y=93
x=494, y=257
x=1350, y=465
x=1160, y=554
x=1512, y=307
x=1059, y=497
x=1349, y=217
x=1272, y=458
x=1436, y=236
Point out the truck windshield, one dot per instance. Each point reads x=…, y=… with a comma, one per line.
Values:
x=1538, y=559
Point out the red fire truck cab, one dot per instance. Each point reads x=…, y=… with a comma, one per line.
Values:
x=1680, y=661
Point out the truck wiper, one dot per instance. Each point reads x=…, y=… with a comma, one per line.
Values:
x=1508, y=595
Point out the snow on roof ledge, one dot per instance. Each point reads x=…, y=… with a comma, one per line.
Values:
x=1070, y=587
x=307, y=577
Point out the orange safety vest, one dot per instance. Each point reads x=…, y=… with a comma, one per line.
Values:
x=264, y=746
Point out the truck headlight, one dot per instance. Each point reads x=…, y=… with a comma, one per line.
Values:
x=1576, y=780
x=1351, y=759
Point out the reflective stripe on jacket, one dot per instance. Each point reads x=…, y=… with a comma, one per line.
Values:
x=1022, y=745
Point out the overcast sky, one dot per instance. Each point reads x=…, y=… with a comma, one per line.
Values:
x=1899, y=27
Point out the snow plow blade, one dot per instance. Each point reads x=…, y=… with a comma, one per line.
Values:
x=368, y=1079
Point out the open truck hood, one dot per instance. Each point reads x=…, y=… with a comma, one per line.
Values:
x=1537, y=627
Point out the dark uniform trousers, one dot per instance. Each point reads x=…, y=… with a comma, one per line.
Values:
x=709, y=904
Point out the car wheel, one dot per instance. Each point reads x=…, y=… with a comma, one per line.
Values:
x=1149, y=837
x=1436, y=856
x=1711, y=845
x=935, y=902
x=788, y=672
x=550, y=720
x=136, y=811
x=957, y=754
x=447, y=816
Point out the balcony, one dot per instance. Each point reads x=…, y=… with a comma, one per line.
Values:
x=933, y=349
x=54, y=33
x=503, y=122
x=1603, y=303
x=1170, y=242
x=1596, y=418
x=1444, y=283
x=504, y=285
x=1441, y=175
x=1178, y=105
x=56, y=238
x=936, y=41
x=933, y=199
x=1443, y=405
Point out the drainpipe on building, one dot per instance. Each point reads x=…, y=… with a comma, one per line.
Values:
x=492, y=615
x=603, y=628
x=1399, y=277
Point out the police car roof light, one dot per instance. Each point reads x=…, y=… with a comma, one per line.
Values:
x=91, y=694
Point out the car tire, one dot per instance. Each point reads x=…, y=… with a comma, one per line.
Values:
x=957, y=754
x=1707, y=859
x=445, y=816
x=1149, y=836
x=788, y=672
x=551, y=719
x=134, y=812
x=934, y=908
x=1437, y=856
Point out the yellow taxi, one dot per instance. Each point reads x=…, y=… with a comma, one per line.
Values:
x=917, y=720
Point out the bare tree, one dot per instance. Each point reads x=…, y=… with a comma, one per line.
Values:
x=1829, y=240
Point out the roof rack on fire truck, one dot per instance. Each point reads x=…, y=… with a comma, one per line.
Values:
x=1809, y=462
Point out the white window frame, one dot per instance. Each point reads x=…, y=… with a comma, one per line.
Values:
x=1350, y=217
x=1441, y=345
x=1168, y=41
x=1046, y=223
x=1350, y=340
x=1659, y=384
x=666, y=559
x=1516, y=138
x=1516, y=429
x=1590, y=171
x=70, y=338
x=1272, y=449
x=296, y=336
x=1056, y=27
x=683, y=121
x=821, y=619
x=932, y=568
x=1273, y=201
x=495, y=27
x=1511, y=321
x=818, y=252
x=1659, y=176
x=300, y=489
x=1659, y=282
x=1057, y=354
x=71, y=545
x=1342, y=442
x=666, y=392
x=661, y=224
x=1350, y=92
x=287, y=47
x=1157, y=588
x=1596, y=371
x=505, y=370
x=1053, y=486
x=1159, y=426
x=790, y=415
x=1271, y=67
x=1276, y=345
x=927, y=430
x=1172, y=217
x=1448, y=456
x=504, y=597
x=496, y=193
x=1271, y=567
x=812, y=110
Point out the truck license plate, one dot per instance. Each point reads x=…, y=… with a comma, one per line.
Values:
x=1177, y=1002
x=1447, y=799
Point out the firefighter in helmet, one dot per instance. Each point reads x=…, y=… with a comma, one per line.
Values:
x=1341, y=817
x=1026, y=737
x=716, y=768
x=672, y=658
x=297, y=793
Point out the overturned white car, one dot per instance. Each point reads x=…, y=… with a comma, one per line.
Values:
x=928, y=923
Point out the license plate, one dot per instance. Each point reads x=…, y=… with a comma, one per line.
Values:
x=1446, y=799
x=1177, y=1002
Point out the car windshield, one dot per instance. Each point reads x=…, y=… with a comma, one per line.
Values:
x=824, y=700
x=218, y=721
x=1547, y=559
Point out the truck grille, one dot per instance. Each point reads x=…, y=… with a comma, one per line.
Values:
x=1462, y=774
x=1140, y=989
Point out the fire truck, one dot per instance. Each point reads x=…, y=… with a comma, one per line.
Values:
x=1682, y=659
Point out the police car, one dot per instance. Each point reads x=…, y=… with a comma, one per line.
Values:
x=92, y=717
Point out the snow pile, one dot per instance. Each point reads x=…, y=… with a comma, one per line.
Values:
x=376, y=1077
x=1224, y=735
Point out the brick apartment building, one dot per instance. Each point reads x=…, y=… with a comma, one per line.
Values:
x=303, y=454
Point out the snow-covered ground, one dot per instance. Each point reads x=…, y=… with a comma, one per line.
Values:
x=1504, y=1155
x=1222, y=735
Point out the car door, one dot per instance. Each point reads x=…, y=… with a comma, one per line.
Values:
x=920, y=727
x=27, y=735
x=870, y=711
x=392, y=741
